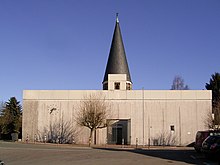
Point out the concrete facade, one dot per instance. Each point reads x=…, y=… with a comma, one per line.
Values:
x=154, y=115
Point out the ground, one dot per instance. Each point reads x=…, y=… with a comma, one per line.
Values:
x=25, y=154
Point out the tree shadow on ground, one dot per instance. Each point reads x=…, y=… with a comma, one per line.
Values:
x=186, y=155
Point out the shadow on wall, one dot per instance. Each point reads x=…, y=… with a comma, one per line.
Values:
x=165, y=139
x=61, y=132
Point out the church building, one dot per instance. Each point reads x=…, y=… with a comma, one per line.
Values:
x=143, y=117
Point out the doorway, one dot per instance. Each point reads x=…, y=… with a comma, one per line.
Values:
x=119, y=132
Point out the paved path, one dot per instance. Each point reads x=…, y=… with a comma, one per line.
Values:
x=35, y=154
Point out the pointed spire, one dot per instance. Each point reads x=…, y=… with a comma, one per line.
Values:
x=117, y=62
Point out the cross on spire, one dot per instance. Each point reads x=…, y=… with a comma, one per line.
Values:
x=117, y=20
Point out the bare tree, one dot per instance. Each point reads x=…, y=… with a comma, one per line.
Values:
x=165, y=139
x=178, y=84
x=62, y=132
x=212, y=120
x=216, y=111
x=93, y=113
x=209, y=121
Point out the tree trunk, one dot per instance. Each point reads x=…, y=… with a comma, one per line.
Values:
x=90, y=137
x=95, y=137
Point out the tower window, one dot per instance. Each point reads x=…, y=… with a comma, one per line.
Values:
x=117, y=85
x=128, y=86
x=172, y=128
x=105, y=86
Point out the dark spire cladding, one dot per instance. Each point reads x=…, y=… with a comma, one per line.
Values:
x=117, y=62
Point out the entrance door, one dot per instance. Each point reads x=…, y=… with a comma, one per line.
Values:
x=119, y=136
x=119, y=132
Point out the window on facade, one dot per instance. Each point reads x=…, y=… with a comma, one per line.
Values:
x=105, y=86
x=128, y=86
x=172, y=128
x=117, y=85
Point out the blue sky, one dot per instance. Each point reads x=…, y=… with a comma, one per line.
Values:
x=64, y=44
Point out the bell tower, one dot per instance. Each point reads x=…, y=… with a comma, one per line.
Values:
x=117, y=75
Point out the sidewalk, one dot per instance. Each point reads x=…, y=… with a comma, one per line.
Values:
x=109, y=146
x=141, y=147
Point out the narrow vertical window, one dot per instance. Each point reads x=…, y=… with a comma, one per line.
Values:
x=105, y=86
x=128, y=86
x=117, y=85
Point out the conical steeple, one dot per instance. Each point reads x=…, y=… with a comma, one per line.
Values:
x=117, y=62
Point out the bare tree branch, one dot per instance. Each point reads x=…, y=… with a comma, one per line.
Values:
x=216, y=111
x=93, y=113
x=212, y=120
x=178, y=84
x=209, y=121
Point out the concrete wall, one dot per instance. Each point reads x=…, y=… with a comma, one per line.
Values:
x=152, y=113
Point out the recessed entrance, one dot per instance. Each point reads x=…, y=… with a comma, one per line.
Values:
x=119, y=132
